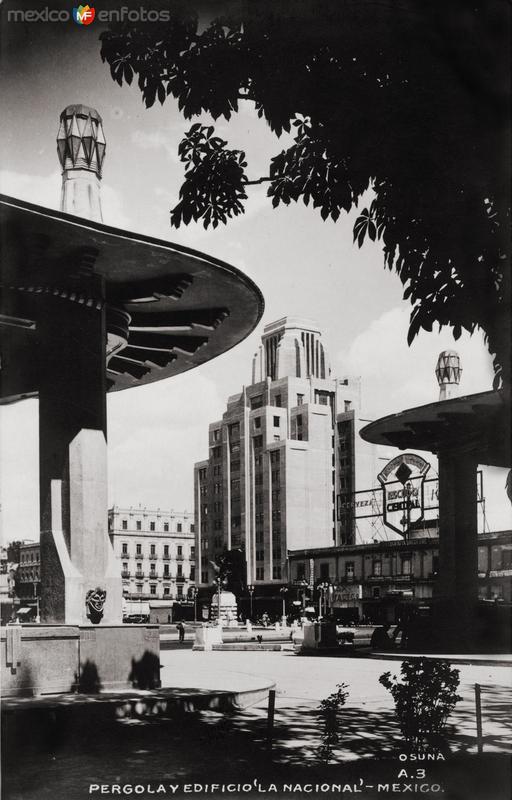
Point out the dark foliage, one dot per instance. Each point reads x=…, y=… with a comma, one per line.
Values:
x=230, y=570
x=411, y=99
x=330, y=722
x=424, y=698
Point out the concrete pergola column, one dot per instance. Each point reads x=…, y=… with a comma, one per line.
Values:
x=76, y=554
x=457, y=586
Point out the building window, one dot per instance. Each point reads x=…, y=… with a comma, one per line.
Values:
x=152, y=548
x=276, y=573
x=192, y=527
x=301, y=571
x=257, y=422
x=166, y=527
x=179, y=526
x=376, y=592
x=180, y=592
x=324, y=571
x=217, y=452
x=166, y=570
x=125, y=524
x=277, y=438
x=152, y=588
x=166, y=551
x=138, y=588
x=139, y=525
x=193, y=551
x=348, y=405
x=192, y=575
x=234, y=429
x=406, y=565
x=260, y=555
x=204, y=576
x=275, y=456
x=180, y=550
x=349, y=569
x=216, y=435
x=299, y=420
x=151, y=526
x=124, y=549
x=260, y=573
x=258, y=441
x=166, y=591
x=377, y=568
x=277, y=422
x=257, y=402
x=300, y=399
x=277, y=401
x=138, y=549
x=235, y=466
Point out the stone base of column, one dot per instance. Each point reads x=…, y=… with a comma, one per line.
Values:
x=455, y=626
x=76, y=554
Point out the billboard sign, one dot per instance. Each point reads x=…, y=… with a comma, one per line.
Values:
x=402, y=481
x=343, y=595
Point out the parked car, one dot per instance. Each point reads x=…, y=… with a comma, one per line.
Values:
x=136, y=619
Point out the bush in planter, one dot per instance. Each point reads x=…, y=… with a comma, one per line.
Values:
x=329, y=720
x=424, y=699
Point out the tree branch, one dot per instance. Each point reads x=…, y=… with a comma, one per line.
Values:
x=260, y=180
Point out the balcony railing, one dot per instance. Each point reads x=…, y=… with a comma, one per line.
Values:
x=180, y=579
x=166, y=557
x=139, y=575
x=153, y=574
x=125, y=573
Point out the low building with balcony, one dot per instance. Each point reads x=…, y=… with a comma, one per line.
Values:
x=373, y=580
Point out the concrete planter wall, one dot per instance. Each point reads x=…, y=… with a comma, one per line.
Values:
x=50, y=659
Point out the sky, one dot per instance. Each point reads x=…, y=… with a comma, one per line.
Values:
x=303, y=266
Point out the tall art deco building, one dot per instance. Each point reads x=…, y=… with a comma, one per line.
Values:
x=281, y=472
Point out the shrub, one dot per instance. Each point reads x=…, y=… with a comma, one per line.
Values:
x=329, y=720
x=424, y=699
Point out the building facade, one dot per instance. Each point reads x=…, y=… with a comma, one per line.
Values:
x=156, y=550
x=283, y=460
x=29, y=575
x=371, y=580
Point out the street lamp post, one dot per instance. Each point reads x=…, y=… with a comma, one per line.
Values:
x=194, y=596
x=322, y=603
x=38, y=617
x=304, y=585
x=250, y=589
x=283, y=592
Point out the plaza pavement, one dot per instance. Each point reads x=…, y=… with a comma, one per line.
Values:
x=88, y=748
x=368, y=715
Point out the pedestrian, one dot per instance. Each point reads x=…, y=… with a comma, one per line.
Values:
x=380, y=638
x=181, y=631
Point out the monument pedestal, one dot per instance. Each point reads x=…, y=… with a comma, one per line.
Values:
x=228, y=609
